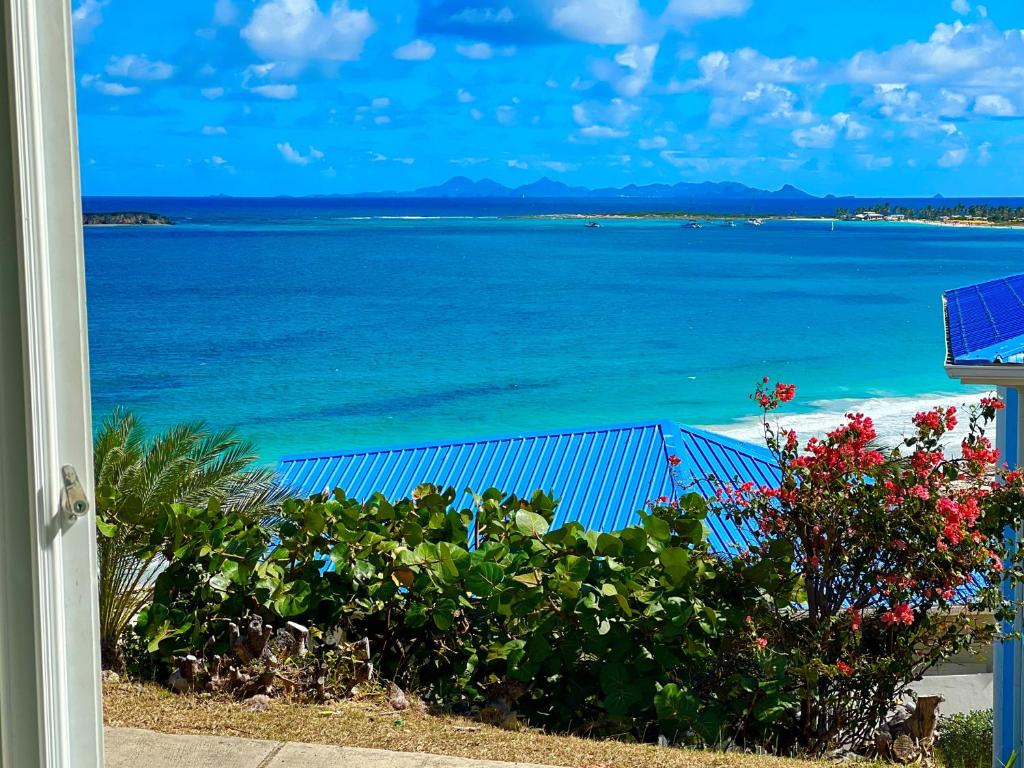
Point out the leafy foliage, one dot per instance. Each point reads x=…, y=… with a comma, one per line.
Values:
x=888, y=561
x=611, y=632
x=965, y=740
x=135, y=480
x=799, y=645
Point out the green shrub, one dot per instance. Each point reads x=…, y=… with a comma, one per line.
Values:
x=638, y=632
x=965, y=740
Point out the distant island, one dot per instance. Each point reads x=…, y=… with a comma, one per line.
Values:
x=125, y=219
x=963, y=215
x=464, y=187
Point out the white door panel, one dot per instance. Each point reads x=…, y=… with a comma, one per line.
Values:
x=50, y=711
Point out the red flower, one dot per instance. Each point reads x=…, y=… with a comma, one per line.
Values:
x=899, y=614
x=762, y=643
x=785, y=392
x=992, y=402
x=674, y=460
x=845, y=668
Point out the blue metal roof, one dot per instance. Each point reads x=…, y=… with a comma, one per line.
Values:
x=601, y=475
x=985, y=322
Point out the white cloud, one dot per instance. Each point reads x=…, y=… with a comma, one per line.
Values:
x=216, y=161
x=416, y=50
x=214, y=130
x=747, y=66
x=896, y=101
x=382, y=120
x=994, y=104
x=951, y=103
x=558, y=166
x=277, y=91
x=138, y=67
x=851, y=129
x=961, y=6
x=706, y=165
x=968, y=55
x=466, y=161
x=380, y=102
x=86, y=16
x=505, y=115
x=225, y=13
x=763, y=102
x=602, y=132
x=297, y=30
x=100, y=85
x=599, y=120
x=655, y=142
x=984, y=153
x=684, y=13
x=292, y=155
x=476, y=114
x=630, y=71
x=747, y=84
x=519, y=164
x=874, y=162
x=599, y=21
x=616, y=112
x=376, y=157
x=212, y=93
x=951, y=158
x=464, y=97
x=478, y=51
x=820, y=136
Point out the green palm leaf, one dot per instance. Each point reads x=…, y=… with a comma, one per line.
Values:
x=135, y=477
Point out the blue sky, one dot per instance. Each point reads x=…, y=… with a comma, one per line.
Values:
x=314, y=96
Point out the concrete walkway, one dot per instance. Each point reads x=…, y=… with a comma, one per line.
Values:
x=136, y=748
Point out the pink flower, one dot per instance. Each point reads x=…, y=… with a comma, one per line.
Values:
x=785, y=392
x=762, y=643
x=899, y=614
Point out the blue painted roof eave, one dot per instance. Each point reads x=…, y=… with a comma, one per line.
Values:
x=1009, y=352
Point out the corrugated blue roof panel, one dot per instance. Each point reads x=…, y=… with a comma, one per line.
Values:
x=985, y=322
x=601, y=475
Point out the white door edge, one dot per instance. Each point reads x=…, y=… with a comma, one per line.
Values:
x=50, y=711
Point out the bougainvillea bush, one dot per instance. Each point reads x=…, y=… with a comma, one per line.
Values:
x=887, y=560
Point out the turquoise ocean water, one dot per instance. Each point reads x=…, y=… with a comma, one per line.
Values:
x=329, y=326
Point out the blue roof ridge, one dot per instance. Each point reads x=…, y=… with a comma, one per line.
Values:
x=327, y=454
x=754, y=450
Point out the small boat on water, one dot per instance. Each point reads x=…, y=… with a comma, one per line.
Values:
x=693, y=225
x=729, y=223
x=591, y=224
x=755, y=222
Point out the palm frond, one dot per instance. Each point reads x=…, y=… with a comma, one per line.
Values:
x=187, y=463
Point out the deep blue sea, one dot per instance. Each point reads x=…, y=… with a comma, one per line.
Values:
x=323, y=323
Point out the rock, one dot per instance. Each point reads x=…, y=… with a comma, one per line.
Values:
x=125, y=218
x=111, y=677
x=396, y=697
x=258, y=703
x=177, y=682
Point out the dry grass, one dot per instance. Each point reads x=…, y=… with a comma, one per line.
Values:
x=371, y=723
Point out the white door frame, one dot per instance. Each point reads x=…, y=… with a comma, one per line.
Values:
x=50, y=710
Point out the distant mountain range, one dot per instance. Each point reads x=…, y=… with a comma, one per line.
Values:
x=463, y=187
